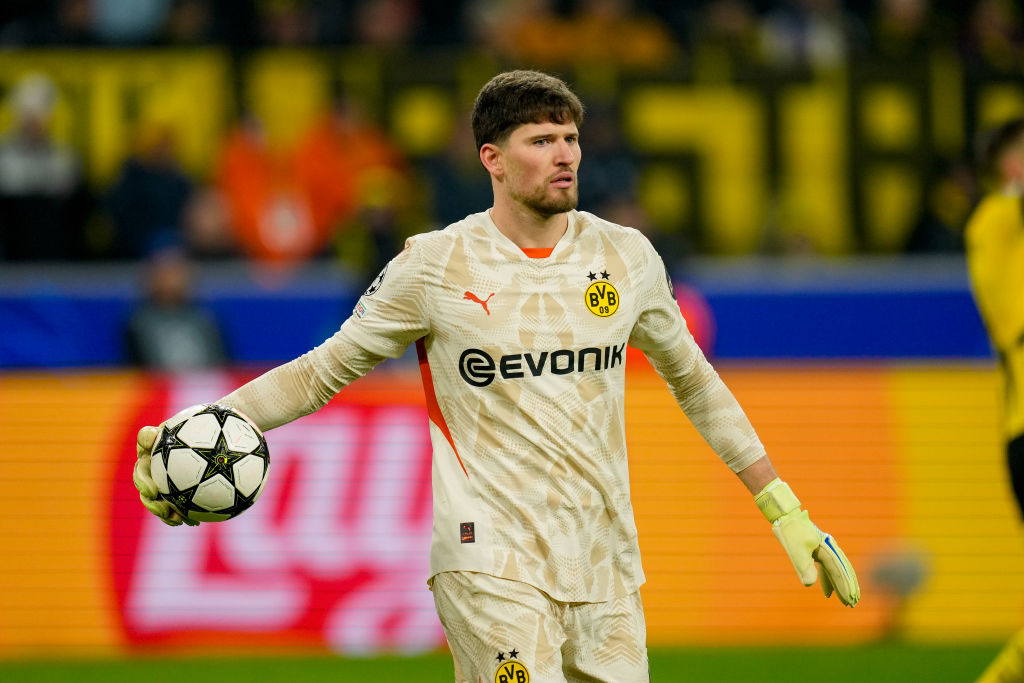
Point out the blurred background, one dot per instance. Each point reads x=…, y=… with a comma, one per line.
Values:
x=194, y=191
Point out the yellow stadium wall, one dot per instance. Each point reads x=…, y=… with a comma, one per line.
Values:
x=844, y=161
x=902, y=463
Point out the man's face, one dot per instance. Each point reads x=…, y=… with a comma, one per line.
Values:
x=540, y=165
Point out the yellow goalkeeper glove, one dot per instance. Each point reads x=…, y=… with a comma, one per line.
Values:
x=809, y=549
x=143, y=479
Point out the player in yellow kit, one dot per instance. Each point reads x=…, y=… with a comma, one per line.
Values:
x=521, y=316
x=994, y=241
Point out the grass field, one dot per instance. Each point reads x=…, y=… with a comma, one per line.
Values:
x=859, y=664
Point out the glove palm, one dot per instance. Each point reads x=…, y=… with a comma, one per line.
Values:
x=142, y=477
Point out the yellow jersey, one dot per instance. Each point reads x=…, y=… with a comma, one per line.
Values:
x=994, y=241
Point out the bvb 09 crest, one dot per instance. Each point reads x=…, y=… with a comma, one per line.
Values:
x=512, y=672
x=602, y=298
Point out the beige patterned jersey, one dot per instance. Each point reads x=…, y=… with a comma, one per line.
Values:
x=524, y=366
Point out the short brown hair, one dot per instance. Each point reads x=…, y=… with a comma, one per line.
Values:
x=993, y=144
x=513, y=98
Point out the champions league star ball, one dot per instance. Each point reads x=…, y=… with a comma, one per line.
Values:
x=210, y=462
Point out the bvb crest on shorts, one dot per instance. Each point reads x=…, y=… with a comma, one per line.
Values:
x=511, y=670
x=601, y=297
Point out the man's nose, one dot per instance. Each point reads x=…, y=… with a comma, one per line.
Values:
x=566, y=153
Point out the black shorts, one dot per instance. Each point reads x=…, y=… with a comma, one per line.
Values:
x=1015, y=460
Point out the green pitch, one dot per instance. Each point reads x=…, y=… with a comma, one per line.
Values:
x=859, y=664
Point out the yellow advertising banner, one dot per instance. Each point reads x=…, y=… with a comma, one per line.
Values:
x=902, y=463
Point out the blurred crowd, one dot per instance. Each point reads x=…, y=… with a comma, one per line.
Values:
x=347, y=176
x=643, y=32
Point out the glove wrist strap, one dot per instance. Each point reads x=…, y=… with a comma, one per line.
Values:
x=776, y=499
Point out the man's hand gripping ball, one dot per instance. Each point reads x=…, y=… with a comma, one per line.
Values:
x=811, y=551
x=143, y=479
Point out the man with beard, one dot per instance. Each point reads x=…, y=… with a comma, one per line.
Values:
x=521, y=316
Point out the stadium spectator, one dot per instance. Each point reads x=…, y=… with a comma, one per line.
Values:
x=608, y=32
x=44, y=202
x=147, y=201
x=723, y=38
x=271, y=214
x=286, y=22
x=72, y=25
x=169, y=330
x=612, y=169
x=386, y=24
x=521, y=327
x=950, y=196
x=457, y=187
x=138, y=22
x=207, y=228
x=188, y=22
x=995, y=259
x=356, y=178
x=520, y=31
x=994, y=37
x=907, y=30
x=620, y=33
x=810, y=35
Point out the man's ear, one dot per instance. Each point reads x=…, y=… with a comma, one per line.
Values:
x=492, y=158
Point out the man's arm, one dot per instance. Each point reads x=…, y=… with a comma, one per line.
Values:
x=660, y=332
x=757, y=476
x=286, y=393
x=718, y=417
x=391, y=315
x=304, y=385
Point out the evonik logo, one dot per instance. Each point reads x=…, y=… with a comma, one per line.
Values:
x=478, y=368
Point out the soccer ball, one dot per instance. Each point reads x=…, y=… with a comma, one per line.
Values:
x=210, y=462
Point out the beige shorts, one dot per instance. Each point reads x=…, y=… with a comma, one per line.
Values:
x=510, y=632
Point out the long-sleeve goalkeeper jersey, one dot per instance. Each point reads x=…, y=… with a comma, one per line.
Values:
x=523, y=362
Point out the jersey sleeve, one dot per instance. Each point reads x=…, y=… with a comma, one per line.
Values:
x=393, y=312
x=389, y=316
x=661, y=333
x=303, y=385
x=660, y=323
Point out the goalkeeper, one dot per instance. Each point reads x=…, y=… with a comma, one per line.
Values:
x=994, y=241
x=521, y=315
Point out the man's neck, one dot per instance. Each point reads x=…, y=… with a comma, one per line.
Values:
x=528, y=229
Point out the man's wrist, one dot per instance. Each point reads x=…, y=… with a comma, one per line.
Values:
x=776, y=499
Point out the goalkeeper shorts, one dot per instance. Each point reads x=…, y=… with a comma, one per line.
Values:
x=511, y=632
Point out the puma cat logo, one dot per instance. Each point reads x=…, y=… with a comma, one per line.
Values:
x=483, y=302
